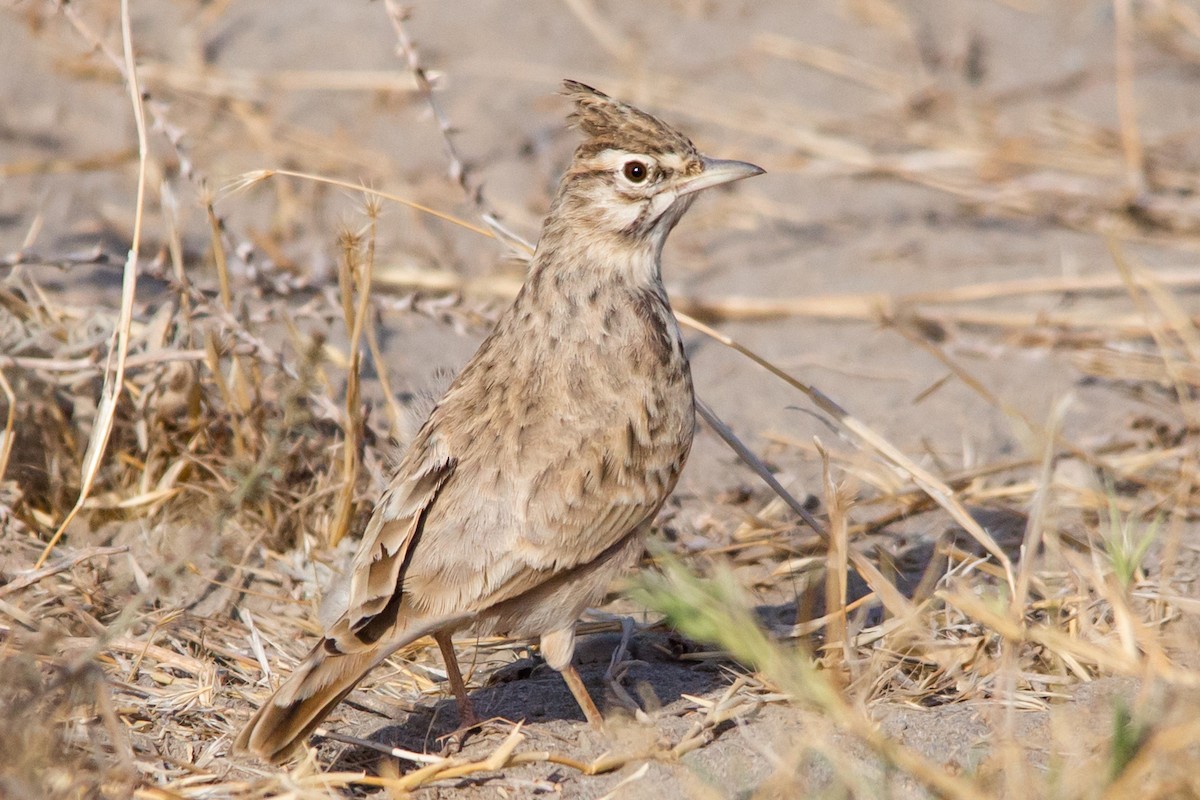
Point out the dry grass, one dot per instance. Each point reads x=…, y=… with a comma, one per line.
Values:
x=179, y=480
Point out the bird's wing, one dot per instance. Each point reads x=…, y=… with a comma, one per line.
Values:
x=388, y=544
x=483, y=543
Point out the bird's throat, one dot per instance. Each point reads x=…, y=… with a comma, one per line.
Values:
x=582, y=266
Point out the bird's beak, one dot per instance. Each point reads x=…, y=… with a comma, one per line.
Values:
x=716, y=172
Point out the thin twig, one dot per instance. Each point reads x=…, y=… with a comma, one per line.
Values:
x=61, y=565
x=114, y=380
x=412, y=59
x=938, y=491
x=248, y=179
x=760, y=469
x=1131, y=139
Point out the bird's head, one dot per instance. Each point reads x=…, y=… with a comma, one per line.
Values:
x=633, y=176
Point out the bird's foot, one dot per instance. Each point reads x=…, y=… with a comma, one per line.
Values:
x=452, y=743
x=618, y=666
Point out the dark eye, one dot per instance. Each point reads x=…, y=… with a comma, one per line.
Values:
x=636, y=171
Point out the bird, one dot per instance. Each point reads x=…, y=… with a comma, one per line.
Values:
x=534, y=481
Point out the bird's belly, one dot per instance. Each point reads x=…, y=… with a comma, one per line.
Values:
x=558, y=602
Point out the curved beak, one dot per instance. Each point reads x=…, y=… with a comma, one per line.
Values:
x=716, y=172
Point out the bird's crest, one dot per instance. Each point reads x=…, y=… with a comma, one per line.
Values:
x=611, y=124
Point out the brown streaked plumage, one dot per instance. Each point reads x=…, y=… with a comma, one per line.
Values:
x=534, y=480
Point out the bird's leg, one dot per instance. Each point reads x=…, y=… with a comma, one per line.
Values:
x=466, y=711
x=618, y=665
x=575, y=684
x=557, y=648
x=467, y=721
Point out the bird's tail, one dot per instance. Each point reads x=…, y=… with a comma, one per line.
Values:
x=303, y=701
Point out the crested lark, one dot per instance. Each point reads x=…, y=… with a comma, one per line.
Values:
x=534, y=480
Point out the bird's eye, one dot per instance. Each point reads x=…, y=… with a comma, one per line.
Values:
x=636, y=171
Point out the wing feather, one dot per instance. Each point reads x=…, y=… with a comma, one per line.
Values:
x=388, y=545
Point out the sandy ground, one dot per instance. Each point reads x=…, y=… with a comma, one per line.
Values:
x=819, y=223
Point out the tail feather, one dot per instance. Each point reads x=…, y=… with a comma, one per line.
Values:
x=303, y=701
x=320, y=682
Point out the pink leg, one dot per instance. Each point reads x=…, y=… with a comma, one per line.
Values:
x=575, y=684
